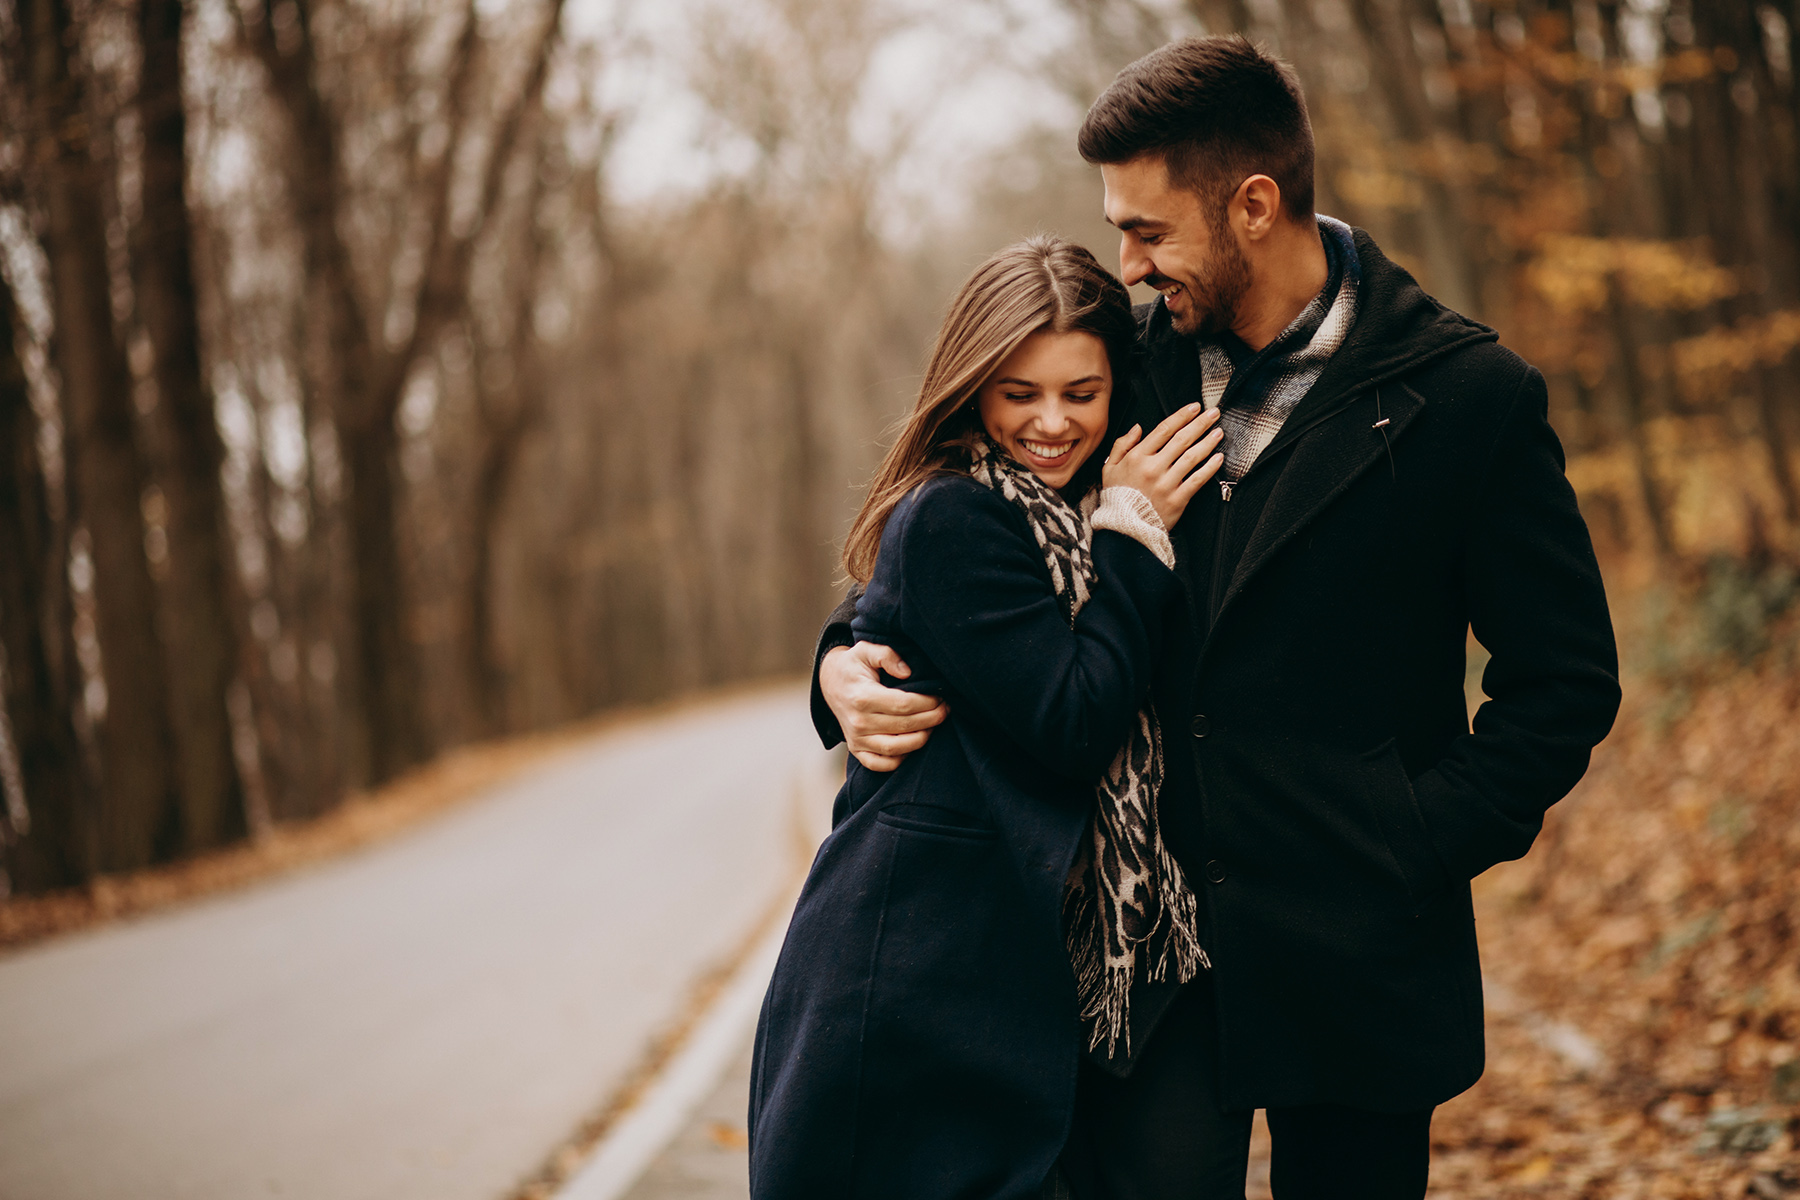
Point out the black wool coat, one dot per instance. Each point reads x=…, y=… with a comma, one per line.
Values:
x=919, y=1039
x=1325, y=790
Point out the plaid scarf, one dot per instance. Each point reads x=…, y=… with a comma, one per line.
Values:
x=1276, y=378
x=1126, y=904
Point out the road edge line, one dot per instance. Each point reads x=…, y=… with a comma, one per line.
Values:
x=717, y=1003
x=642, y=1133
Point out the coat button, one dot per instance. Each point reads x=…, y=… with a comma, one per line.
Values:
x=1200, y=725
x=1215, y=871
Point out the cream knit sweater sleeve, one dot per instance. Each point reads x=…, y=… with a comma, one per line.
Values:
x=1128, y=511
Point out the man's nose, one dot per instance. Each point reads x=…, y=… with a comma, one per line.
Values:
x=1134, y=265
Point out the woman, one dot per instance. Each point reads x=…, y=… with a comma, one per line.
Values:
x=959, y=941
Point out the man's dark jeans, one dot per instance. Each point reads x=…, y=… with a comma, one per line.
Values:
x=1160, y=1134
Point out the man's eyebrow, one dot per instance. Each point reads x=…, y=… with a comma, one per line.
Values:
x=1131, y=223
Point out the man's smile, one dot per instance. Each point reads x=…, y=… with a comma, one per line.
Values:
x=1167, y=288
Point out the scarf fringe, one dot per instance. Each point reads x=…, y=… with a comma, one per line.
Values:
x=1181, y=909
x=1172, y=947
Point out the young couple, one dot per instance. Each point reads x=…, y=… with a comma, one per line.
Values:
x=1165, y=799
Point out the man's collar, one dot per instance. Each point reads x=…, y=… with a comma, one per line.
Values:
x=1340, y=257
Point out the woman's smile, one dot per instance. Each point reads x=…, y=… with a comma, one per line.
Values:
x=1046, y=451
x=1047, y=402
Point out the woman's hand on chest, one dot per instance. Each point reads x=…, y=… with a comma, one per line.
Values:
x=1169, y=465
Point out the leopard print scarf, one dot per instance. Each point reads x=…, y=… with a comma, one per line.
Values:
x=1126, y=905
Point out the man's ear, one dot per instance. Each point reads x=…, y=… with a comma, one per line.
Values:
x=1257, y=205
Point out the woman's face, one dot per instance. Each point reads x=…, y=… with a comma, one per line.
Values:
x=1047, y=402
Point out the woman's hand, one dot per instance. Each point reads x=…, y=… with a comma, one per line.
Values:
x=1170, y=465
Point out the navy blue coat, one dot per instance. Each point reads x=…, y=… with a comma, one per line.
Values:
x=920, y=1037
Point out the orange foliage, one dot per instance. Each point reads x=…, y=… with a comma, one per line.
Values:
x=1643, y=963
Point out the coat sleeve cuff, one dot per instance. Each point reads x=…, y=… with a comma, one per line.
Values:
x=1128, y=511
x=1469, y=833
x=836, y=633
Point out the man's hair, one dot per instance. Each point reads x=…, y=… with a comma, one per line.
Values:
x=1217, y=110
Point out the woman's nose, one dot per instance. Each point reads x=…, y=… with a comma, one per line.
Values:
x=1053, y=422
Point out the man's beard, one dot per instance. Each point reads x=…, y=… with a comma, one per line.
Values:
x=1214, y=297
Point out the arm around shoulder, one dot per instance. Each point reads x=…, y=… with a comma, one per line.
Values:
x=977, y=597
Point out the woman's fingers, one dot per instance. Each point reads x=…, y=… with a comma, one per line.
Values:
x=1125, y=441
x=1156, y=464
x=1197, y=453
x=1190, y=486
x=1170, y=426
x=1183, y=438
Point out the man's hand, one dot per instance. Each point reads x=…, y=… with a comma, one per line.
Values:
x=881, y=725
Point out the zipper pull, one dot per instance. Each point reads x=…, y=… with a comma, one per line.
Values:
x=1225, y=489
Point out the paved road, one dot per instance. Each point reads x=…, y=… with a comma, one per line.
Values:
x=424, y=1020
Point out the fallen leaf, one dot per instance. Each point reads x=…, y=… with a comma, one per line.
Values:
x=1535, y=1171
x=727, y=1136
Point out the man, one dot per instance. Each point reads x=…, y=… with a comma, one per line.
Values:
x=1391, y=482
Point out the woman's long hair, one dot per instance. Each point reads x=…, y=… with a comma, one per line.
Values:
x=1043, y=282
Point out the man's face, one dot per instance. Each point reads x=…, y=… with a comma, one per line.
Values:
x=1169, y=240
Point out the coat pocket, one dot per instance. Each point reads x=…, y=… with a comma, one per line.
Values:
x=969, y=1033
x=1402, y=825
x=936, y=820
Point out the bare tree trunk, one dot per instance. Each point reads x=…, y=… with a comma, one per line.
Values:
x=384, y=663
x=507, y=418
x=380, y=688
x=488, y=680
x=47, y=823
x=496, y=470
x=1767, y=386
x=138, y=802
x=196, y=620
x=1742, y=163
x=808, y=574
x=372, y=380
x=1442, y=235
x=1773, y=245
x=1631, y=398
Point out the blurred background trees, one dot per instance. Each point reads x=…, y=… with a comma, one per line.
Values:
x=358, y=399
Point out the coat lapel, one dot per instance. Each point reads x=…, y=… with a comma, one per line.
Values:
x=1327, y=459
